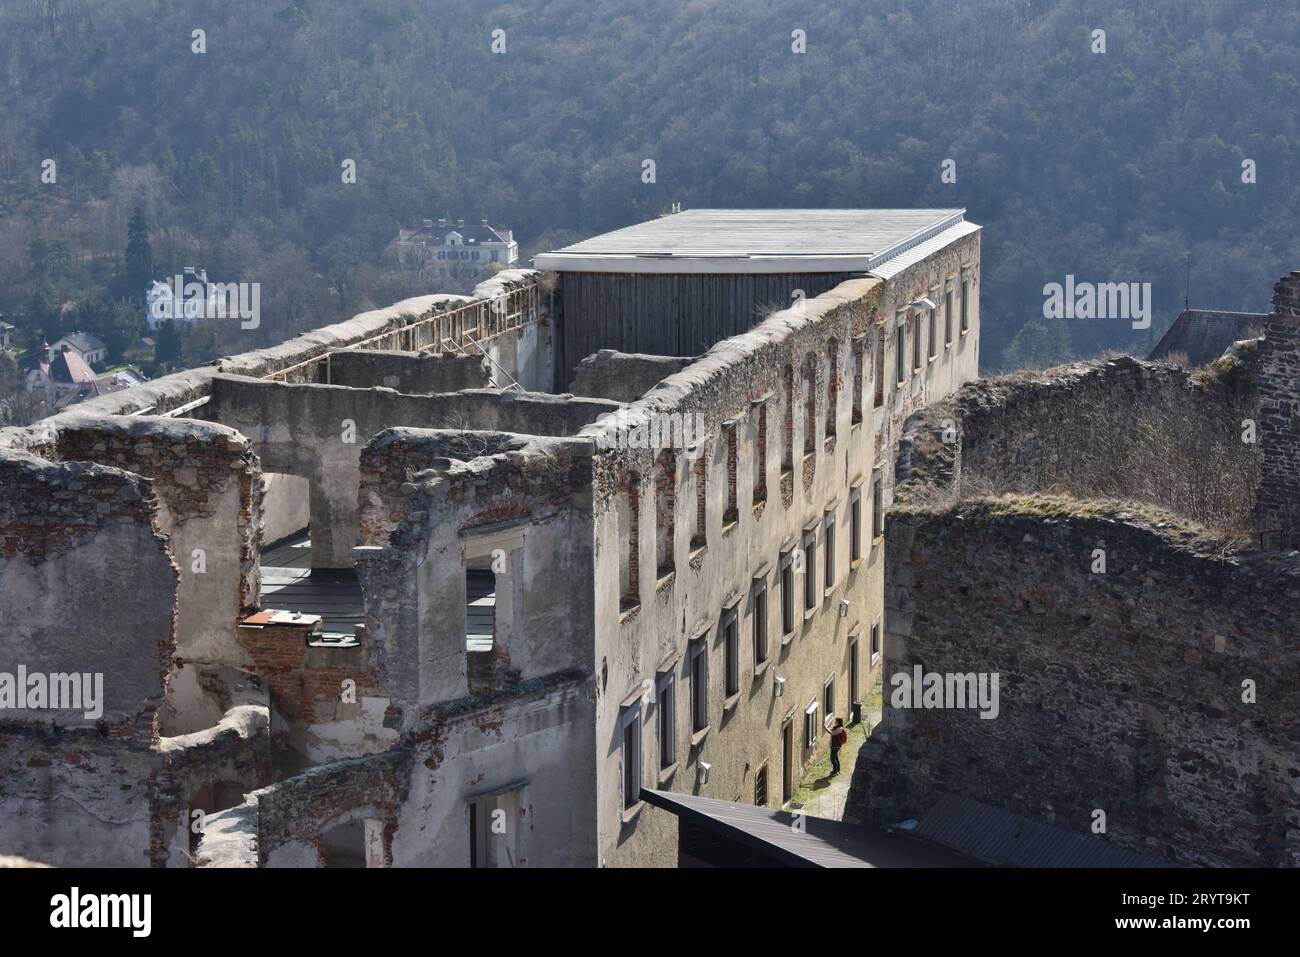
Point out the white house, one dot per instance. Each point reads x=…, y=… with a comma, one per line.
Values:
x=187, y=298
x=87, y=346
x=447, y=249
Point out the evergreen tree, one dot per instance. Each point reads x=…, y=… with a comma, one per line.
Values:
x=139, y=255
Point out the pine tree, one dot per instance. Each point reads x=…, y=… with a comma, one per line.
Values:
x=139, y=255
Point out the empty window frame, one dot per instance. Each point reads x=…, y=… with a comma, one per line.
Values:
x=900, y=351
x=875, y=642
x=731, y=650
x=666, y=718
x=878, y=375
x=934, y=329
x=832, y=386
x=917, y=336
x=699, y=671
x=759, y=459
x=828, y=548
x=787, y=591
x=828, y=697
x=858, y=351
x=966, y=292
x=810, y=596
x=877, y=506
x=729, y=439
x=855, y=524
x=759, y=620
x=760, y=787
x=948, y=317
x=631, y=756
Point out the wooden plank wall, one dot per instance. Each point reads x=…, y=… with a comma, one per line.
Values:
x=670, y=314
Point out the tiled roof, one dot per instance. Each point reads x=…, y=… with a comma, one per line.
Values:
x=1203, y=335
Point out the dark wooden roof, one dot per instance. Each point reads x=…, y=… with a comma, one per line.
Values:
x=1203, y=335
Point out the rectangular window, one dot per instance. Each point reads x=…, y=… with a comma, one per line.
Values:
x=787, y=592
x=760, y=787
x=700, y=684
x=828, y=697
x=934, y=329
x=810, y=571
x=879, y=370
x=875, y=642
x=810, y=724
x=732, y=513
x=900, y=353
x=760, y=621
x=631, y=756
x=859, y=374
x=916, y=341
x=855, y=675
x=877, y=506
x=965, y=303
x=666, y=702
x=731, y=649
x=828, y=549
x=855, y=523
x=948, y=312
x=759, y=486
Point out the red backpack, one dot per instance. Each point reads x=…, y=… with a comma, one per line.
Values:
x=842, y=736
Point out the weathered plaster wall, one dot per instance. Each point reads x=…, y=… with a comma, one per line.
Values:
x=433, y=499
x=731, y=383
x=534, y=742
x=317, y=432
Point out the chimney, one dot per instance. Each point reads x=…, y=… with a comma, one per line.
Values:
x=1277, y=505
x=484, y=222
x=442, y=224
x=428, y=224
x=460, y=224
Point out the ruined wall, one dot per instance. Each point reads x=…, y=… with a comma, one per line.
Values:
x=742, y=383
x=317, y=432
x=431, y=501
x=79, y=785
x=621, y=376
x=1278, y=513
x=1115, y=427
x=326, y=700
x=1120, y=691
x=407, y=371
x=528, y=751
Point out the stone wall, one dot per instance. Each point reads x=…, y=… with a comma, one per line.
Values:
x=1278, y=512
x=623, y=376
x=406, y=371
x=1126, y=691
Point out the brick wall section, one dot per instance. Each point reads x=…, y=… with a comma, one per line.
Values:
x=306, y=683
x=1120, y=691
x=1278, y=507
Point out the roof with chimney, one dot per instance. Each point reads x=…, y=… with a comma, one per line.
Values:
x=83, y=342
x=68, y=368
x=436, y=233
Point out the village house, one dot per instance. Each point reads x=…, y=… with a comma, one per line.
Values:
x=455, y=250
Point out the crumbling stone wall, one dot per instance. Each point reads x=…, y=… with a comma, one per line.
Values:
x=1278, y=513
x=623, y=376
x=419, y=373
x=1159, y=691
x=1116, y=427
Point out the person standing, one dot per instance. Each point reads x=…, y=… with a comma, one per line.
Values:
x=839, y=736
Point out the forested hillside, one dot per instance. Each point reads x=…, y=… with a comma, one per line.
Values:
x=1109, y=166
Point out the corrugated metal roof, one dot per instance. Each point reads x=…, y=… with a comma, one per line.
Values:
x=754, y=240
x=887, y=267
x=821, y=842
x=998, y=836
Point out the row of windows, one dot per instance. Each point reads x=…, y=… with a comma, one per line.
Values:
x=931, y=322
x=466, y=254
x=664, y=705
x=792, y=561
